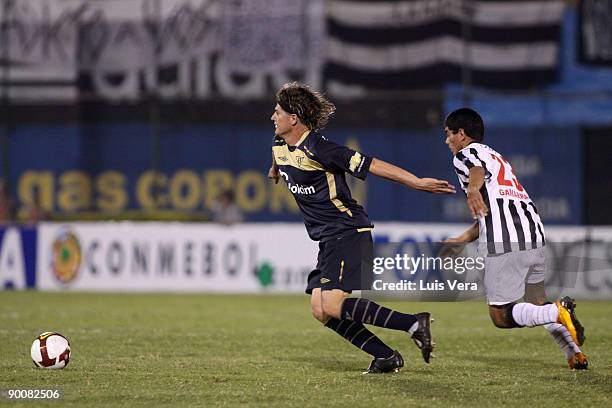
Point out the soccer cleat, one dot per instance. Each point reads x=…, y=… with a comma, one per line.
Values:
x=578, y=362
x=390, y=364
x=422, y=335
x=567, y=317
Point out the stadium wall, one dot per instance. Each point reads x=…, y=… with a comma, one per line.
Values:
x=250, y=258
x=114, y=168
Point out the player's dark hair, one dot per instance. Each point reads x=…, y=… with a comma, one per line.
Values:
x=313, y=109
x=467, y=119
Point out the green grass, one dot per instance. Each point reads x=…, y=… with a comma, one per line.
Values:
x=212, y=350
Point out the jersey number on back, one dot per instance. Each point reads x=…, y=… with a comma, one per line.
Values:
x=501, y=175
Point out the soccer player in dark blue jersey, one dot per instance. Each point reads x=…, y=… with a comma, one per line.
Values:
x=314, y=170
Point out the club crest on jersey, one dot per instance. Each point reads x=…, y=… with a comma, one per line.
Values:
x=299, y=160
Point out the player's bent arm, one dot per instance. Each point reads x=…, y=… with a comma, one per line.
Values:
x=475, y=203
x=476, y=179
x=391, y=172
x=454, y=246
x=471, y=234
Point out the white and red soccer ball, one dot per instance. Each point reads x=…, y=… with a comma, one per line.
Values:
x=51, y=350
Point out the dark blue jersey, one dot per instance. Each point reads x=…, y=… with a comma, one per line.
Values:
x=314, y=171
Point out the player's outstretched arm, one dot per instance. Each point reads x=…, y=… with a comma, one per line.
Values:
x=391, y=172
x=475, y=203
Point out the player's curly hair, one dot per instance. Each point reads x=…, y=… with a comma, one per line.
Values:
x=313, y=109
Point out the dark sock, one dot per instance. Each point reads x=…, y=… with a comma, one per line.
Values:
x=368, y=312
x=360, y=337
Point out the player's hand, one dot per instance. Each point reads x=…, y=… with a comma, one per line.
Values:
x=477, y=206
x=273, y=174
x=435, y=186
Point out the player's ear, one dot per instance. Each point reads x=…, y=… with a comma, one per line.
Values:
x=294, y=119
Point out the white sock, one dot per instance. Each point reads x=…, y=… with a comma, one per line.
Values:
x=413, y=328
x=527, y=314
x=563, y=339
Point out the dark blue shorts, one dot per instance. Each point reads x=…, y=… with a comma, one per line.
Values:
x=344, y=263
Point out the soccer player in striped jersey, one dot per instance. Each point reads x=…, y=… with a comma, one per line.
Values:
x=314, y=170
x=511, y=233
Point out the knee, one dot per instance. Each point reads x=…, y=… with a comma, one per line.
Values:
x=327, y=309
x=331, y=308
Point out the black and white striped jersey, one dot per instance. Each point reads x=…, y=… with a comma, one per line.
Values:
x=513, y=222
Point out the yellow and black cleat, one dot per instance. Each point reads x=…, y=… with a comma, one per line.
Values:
x=578, y=362
x=567, y=317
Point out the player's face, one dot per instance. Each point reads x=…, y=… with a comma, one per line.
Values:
x=453, y=140
x=283, y=121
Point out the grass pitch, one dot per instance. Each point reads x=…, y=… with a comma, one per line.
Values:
x=212, y=350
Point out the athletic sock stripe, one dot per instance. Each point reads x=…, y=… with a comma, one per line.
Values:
x=365, y=342
x=384, y=315
x=388, y=317
x=362, y=329
x=551, y=315
x=338, y=326
x=561, y=333
x=355, y=308
x=348, y=328
x=568, y=337
x=365, y=312
x=563, y=339
x=561, y=342
x=333, y=324
x=354, y=330
x=376, y=315
x=537, y=316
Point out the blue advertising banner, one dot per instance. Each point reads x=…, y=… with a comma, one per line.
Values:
x=113, y=168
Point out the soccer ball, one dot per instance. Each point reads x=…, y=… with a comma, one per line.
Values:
x=50, y=350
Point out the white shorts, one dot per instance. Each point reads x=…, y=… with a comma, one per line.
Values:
x=505, y=275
